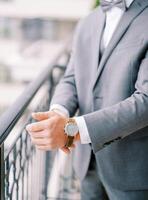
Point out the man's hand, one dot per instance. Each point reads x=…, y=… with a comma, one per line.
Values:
x=48, y=132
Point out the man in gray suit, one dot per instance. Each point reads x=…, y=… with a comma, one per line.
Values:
x=107, y=80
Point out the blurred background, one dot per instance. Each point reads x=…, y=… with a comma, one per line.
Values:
x=33, y=56
x=31, y=31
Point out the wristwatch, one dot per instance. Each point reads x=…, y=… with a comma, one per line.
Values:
x=70, y=129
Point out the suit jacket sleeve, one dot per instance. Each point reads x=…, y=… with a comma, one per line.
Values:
x=124, y=118
x=66, y=93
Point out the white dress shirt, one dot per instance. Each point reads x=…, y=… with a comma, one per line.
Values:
x=113, y=17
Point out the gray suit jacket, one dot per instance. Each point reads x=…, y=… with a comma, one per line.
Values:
x=112, y=95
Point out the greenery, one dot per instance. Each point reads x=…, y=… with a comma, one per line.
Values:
x=96, y=3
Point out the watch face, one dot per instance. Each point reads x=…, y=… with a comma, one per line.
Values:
x=71, y=129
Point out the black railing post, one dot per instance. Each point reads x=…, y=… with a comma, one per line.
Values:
x=2, y=173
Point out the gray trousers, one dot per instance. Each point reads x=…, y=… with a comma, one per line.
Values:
x=93, y=188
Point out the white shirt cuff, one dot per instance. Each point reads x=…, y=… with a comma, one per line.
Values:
x=83, y=131
x=60, y=109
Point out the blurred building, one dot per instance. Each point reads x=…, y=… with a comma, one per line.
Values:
x=33, y=20
x=31, y=31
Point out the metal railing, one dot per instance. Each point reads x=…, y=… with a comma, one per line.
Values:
x=25, y=171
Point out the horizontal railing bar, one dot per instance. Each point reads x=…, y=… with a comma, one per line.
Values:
x=14, y=112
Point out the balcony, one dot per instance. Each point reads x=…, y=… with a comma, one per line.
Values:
x=27, y=173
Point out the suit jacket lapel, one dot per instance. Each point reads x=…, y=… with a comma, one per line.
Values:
x=97, y=30
x=136, y=8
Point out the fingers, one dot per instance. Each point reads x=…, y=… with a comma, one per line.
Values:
x=65, y=150
x=40, y=134
x=40, y=141
x=44, y=143
x=43, y=148
x=73, y=146
x=43, y=140
x=39, y=116
x=46, y=148
x=37, y=126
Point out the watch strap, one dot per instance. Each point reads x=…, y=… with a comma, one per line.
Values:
x=69, y=141
x=71, y=120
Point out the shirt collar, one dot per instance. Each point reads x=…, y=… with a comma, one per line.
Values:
x=128, y=2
